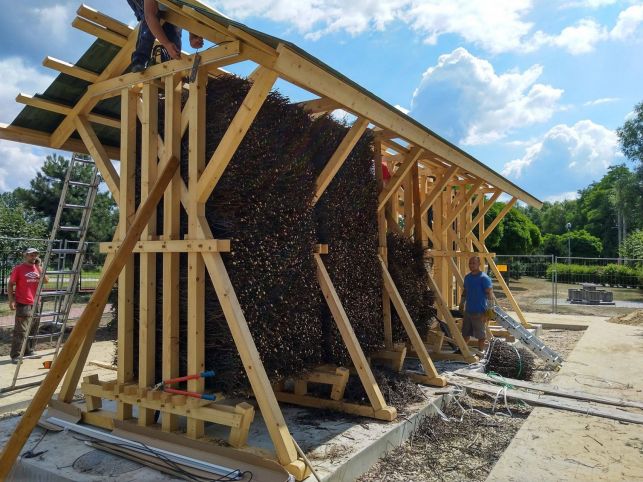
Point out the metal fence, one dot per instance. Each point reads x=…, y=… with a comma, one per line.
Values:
x=11, y=255
x=574, y=284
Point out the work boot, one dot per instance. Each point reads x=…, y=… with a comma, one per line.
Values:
x=136, y=67
x=14, y=361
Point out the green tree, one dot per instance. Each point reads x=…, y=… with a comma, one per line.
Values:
x=18, y=221
x=43, y=196
x=515, y=234
x=580, y=244
x=632, y=246
x=630, y=136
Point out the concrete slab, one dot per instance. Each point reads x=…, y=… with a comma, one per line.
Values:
x=558, y=445
x=32, y=371
x=550, y=321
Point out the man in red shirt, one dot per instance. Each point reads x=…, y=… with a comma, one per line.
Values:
x=23, y=284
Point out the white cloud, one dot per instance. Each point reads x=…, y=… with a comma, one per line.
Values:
x=577, y=39
x=464, y=99
x=53, y=21
x=562, y=196
x=628, y=22
x=19, y=163
x=602, y=100
x=567, y=158
x=18, y=77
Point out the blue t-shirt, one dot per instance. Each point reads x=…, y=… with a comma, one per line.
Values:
x=476, y=296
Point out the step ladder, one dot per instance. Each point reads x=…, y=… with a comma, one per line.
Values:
x=527, y=338
x=62, y=263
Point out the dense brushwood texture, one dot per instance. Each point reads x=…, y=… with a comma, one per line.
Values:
x=347, y=221
x=407, y=266
x=510, y=361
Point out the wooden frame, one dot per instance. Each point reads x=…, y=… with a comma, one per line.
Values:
x=422, y=155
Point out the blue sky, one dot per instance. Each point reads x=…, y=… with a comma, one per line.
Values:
x=534, y=89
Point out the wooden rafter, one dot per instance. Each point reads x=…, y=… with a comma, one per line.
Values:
x=100, y=32
x=58, y=108
x=319, y=106
x=339, y=156
x=69, y=69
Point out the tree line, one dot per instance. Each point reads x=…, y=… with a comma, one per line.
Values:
x=605, y=220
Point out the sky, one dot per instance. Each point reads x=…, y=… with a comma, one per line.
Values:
x=535, y=89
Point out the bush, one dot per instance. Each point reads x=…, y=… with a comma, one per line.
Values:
x=611, y=274
x=517, y=270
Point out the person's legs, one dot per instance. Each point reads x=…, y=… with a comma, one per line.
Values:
x=19, y=331
x=144, y=40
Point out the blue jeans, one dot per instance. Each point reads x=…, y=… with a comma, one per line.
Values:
x=145, y=40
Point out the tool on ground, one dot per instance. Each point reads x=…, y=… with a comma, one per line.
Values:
x=63, y=260
x=530, y=340
x=205, y=396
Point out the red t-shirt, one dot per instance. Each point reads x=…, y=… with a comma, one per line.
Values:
x=26, y=278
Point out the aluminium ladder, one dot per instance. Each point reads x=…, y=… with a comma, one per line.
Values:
x=527, y=338
x=62, y=264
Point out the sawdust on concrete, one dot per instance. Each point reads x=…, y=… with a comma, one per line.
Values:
x=633, y=319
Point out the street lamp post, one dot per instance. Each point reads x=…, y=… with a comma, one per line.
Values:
x=569, y=243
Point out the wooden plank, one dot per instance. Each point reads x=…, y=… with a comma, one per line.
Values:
x=270, y=411
x=176, y=17
x=235, y=133
x=99, y=31
x=174, y=246
x=319, y=106
x=396, y=180
x=561, y=403
x=100, y=156
x=196, y=268
x=221, y=55
x=433, y=378
x=417, y=200
x=336, y=405
x=86, y=103
x=239, y=435
x=104, y=20
x=171, y=232
x=350, y=340
x=127, y=210
x=43, y=139
x=87, y=322
x=69, y=69
x=147, y=269
x=316, y=79
x=438, y=187
x=505, y=210
x=339, y=156
x=552, y=389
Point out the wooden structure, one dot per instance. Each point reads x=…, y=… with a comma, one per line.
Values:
x=429, y=176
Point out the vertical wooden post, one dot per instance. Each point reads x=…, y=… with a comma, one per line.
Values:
x=127, y=209
x=382, y=228
x=417, y=201
x=171, y=230
x=147, y=299
x=408, y=205
x=196, y=268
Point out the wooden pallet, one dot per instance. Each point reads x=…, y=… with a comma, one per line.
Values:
x=238, y=417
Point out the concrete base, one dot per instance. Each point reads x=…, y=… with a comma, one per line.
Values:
x=340, y=447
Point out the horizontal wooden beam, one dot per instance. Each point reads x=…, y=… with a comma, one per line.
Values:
x=43, y=139
x=99, y=31
x=315, y=78
x=459, y=254
x=173, y=246
x=69, y=69
x=318, y=106
x=58, y=108
x=223, y=54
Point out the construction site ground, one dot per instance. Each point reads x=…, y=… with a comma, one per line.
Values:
x=531, y=444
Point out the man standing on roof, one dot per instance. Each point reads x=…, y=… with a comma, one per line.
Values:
x=169, y=36
x=23, y=284
x=477, y=297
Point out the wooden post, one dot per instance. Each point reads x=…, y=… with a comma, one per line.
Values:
x=382, y=230
x=432, y=377
x=171, y=230
x=88, y=320
x=127, y=208
x=147, y=299
x=196, y=268
x=417, y=214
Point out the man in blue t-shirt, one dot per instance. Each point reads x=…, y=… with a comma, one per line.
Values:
x=477, y=296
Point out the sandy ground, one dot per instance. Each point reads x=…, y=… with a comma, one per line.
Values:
x=466, y=446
